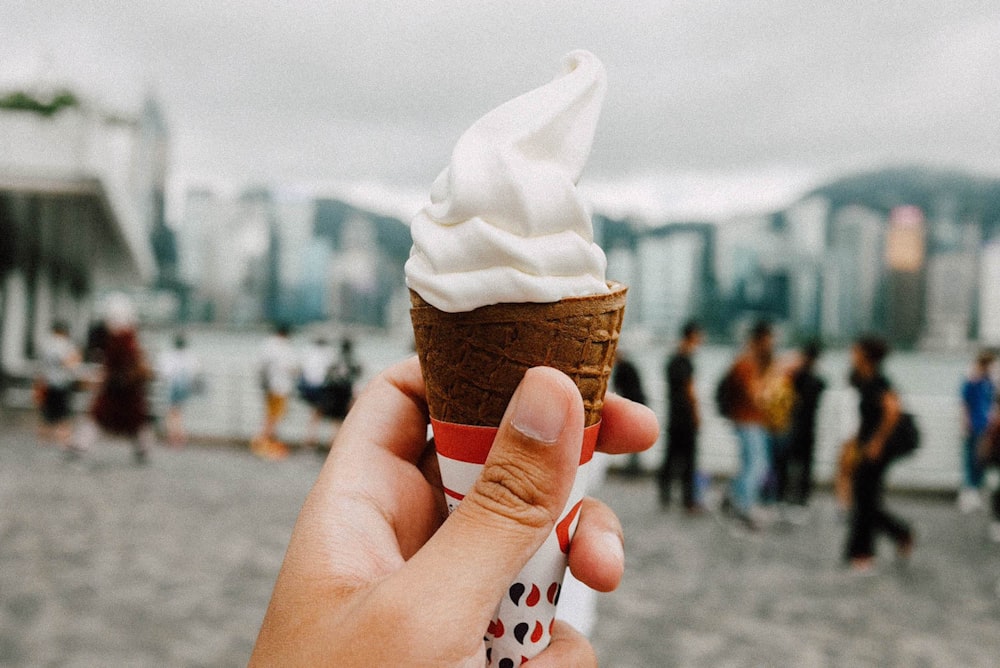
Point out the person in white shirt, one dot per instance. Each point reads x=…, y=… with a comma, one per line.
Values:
x=60, y=361
x=278, y=371
x=181, y=371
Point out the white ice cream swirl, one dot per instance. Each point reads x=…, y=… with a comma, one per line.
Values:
x=506, y=223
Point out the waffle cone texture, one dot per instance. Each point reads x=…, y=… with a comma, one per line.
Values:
x=474, y=360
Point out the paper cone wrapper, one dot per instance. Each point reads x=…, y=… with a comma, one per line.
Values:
x=472, y=362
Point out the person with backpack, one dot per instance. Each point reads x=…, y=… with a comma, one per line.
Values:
x=337, y=393
x=316, y=361
x=740, y=397
x=683, y=421
x=881, y=439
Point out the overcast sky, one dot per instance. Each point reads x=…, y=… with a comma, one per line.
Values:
x=712, y=106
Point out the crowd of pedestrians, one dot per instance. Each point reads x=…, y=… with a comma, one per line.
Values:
x=321, y=378
x=115, y=377
x=772, y=403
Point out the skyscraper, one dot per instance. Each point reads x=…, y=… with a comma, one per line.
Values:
x=989, y=294
x=905, y=253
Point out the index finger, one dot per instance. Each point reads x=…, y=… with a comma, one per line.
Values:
x=390, y=413
x=626, y=426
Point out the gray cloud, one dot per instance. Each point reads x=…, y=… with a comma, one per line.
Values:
x=379, y=90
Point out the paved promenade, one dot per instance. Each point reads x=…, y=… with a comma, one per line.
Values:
x=103, y=563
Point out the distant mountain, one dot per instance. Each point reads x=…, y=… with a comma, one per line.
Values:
x=882, y=190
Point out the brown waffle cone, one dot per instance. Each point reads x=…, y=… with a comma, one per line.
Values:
x=473, y=361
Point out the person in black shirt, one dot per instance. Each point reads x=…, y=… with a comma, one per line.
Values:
x=683, y=420
x=626, y=382
x=795, y=466
x=879, y=409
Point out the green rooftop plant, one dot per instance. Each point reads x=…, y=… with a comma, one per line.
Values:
x=22, y=101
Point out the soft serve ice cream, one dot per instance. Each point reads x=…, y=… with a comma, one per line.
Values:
x=504, y=275
x=506, y=223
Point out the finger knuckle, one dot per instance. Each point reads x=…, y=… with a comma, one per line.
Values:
x=512, y=489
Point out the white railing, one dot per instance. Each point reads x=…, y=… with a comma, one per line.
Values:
x=231, y=407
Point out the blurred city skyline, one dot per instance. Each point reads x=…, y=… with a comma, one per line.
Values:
x=713, y=109
x=241, y=164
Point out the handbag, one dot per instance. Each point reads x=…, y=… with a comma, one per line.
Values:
x=904, y=439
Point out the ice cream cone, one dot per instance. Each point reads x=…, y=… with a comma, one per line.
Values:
x=472, y=362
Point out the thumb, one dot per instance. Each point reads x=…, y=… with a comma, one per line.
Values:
x=514, y=504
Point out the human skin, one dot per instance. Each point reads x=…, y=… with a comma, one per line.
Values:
x=375, y=576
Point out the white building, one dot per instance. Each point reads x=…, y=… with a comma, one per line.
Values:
x=225, y=246
x=74, y=192
x=673, y=264
x=989, y=294
x=851, y=272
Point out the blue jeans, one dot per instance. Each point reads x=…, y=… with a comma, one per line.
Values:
x=746, y=486
x=973, y=469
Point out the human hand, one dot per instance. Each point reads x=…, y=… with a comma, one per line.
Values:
x=374, y=576
x=873, y=450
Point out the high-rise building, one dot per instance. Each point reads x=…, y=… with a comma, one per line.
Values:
x=852, y=271
x=672, y=263
x=806, y=227
x=989, y=293
x=905, y=255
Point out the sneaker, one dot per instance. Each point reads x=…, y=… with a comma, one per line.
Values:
x=763, y=516
x=271, y=450
x=904, y=548
x=795, y=515
x=862, y=566
x=969, y=500
x=697, y=510
x=995, y=531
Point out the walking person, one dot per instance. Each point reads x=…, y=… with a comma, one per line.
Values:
x=741, y=399
x=57, y=377
x=121, y=404
x=626, y=382
x=795, y=467
x=880, y=411
x=279, y=367
x=316, y=362
x=989, y=455
x=978, y=393
x=683, y=421
x=337, y=394
x=181, y=371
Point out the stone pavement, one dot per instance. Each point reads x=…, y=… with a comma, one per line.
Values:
x=103, y=563
x=701, y=592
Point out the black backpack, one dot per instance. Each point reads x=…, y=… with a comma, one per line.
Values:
x=727, y=393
